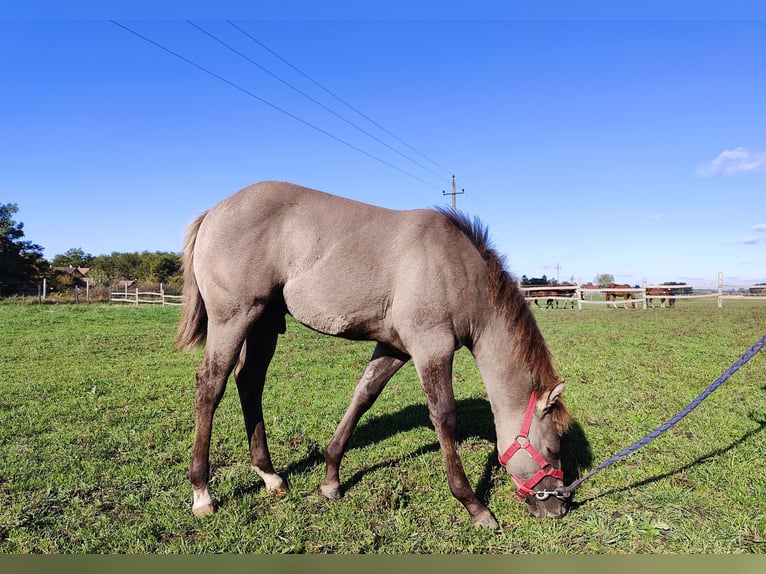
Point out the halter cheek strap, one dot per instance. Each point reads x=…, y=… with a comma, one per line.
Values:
x=522, y=443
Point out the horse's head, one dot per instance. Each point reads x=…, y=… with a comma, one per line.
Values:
x=537, y=470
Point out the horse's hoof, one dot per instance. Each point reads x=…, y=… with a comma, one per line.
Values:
x=330, y=492
x=275, y=485
x=203, y=510
x=486, y=521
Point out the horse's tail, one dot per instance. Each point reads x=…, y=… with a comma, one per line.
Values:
x=192, y=328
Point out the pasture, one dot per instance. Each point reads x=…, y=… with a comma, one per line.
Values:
x=96, y=424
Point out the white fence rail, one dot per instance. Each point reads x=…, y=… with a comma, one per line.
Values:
x=572, y=294
x=137, y=297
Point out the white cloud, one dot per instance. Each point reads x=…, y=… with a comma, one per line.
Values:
x=733, y=162
x=755, y=239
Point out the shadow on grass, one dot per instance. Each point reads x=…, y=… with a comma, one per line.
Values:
x=700, y=460
x=474, y=420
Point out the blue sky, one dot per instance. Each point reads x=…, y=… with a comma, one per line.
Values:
x=629, y=142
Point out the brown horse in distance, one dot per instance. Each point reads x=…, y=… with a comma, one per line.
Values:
x=662, y=293
x=420, y=283
x=550, y=297
x=619, y=290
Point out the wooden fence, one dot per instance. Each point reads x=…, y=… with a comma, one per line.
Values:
x=139, y=297
x=570, y=295
x=576, y=295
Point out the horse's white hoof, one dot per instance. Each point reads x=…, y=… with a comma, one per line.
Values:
x=275, y=484
x=204, y=510
x=203, y=502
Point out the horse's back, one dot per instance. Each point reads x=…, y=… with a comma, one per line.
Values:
x=343, y=267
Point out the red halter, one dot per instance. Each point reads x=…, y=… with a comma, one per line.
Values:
x=522, y=442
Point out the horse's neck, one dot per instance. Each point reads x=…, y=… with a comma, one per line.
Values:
x=508, y=384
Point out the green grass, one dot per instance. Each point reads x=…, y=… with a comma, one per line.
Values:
x=96, y=428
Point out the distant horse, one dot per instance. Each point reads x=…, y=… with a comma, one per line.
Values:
x=420, y=283
x=662, y=293
x=613, y=294
x=549, y=296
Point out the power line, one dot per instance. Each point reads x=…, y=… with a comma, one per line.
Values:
x=268, y=103
x=307, y=96
x=499, y=228
x=474, y=200
x=341, y=100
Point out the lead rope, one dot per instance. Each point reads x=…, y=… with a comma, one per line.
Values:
x=565, y=492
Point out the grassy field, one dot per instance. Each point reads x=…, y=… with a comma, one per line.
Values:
x=96, y=429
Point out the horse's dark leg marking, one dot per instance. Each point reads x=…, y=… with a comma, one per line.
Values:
x=250, y=375
x=384, y=363
x=436, y=378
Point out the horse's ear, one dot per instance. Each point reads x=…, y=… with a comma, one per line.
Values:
x=549, y=398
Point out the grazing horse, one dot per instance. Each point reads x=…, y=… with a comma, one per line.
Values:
x=420, y=283
x=550, y=297
x=612, y=295
x=662, y=293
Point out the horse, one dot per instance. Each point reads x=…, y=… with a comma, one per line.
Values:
x=662, y=293
x=551, y=297
x=419, y=283
x=613, y=294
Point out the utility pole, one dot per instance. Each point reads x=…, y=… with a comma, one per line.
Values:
x=453, y=194
x=557, y=268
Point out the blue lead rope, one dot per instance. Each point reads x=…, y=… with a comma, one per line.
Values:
x=567, y=491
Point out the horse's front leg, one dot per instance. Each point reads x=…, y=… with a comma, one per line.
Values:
x=384, y=363
x=436, y=378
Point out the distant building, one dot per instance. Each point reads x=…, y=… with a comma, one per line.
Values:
x=77, y=276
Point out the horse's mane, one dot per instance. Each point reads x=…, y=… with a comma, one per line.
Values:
x=530, y=348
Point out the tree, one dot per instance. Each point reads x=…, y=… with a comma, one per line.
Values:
x=21, y=262
x=604, y=279
x=162, y=266
x=74, y=257
x=156, y=267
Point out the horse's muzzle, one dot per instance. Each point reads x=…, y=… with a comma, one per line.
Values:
x=551, y=507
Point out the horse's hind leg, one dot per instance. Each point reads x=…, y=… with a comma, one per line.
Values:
x=250, y=375
x=384, y=363
x=223, y=345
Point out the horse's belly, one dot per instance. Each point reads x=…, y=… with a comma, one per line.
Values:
x=339, y=310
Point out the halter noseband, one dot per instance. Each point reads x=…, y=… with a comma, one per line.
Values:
x=522, y=442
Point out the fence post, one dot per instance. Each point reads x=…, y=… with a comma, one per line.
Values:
x=644, y=294
x=720, y=289
x=578, y=293
x=136, y=295
x=162, y=294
